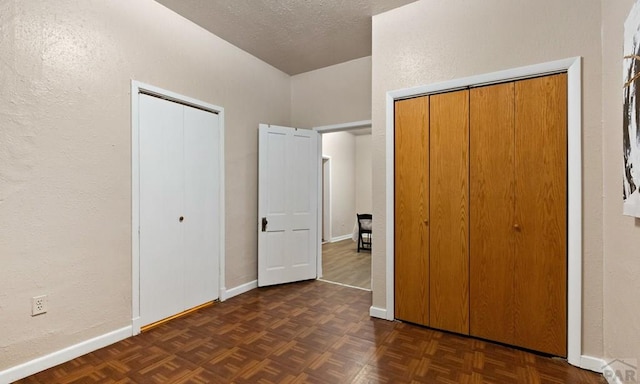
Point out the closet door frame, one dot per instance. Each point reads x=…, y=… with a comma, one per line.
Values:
x=138, y=88
x=573, y=67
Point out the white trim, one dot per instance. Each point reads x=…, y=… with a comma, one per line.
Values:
x=610, y=375
x=239, y=290
x=574, y=210
x=51, y=360
x=344, y=285
x=591, y=363
x=379, y=313
x=340, y=238
x=574, y=184
x=330, y=218
x=342, y=127
x=390, y=210
x=487, y=78
x=136, y=88
x=320, y=216
x=221, y=206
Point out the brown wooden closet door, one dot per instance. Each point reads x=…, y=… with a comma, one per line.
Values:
x=412, y=210
x=492, y=212
x=449, y=211
x=541, y=212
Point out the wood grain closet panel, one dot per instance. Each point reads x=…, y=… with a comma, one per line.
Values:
x=412, y=210
x=448, y=211
x=541, y=212
x=492, y=212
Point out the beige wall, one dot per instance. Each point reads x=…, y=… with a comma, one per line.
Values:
x=333, y=95
x=434, y=40
x=363, y=174
x=621, y=233
x=341, y=147
x=65, y=156
x=65, y=180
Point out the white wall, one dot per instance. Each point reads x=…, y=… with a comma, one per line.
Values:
x=363, y=174
x=431, y=41
x=333, y=95
x=65, y=155
x=621, y=233
x=340, y=146
x=326, y=199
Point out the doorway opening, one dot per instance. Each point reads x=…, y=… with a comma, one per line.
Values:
x=345, y=164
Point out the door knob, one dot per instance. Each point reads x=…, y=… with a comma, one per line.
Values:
x=426, y=222
x=181, y=219
x=516, y=227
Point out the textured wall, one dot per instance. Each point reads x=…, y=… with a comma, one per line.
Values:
x=621, y=233
x=332, y=95
x=435, y=40
x=341, y=147
x=65, y=156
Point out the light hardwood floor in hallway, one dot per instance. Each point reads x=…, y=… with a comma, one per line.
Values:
x=342, y=264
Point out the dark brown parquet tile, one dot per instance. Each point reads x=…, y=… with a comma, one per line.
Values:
x=309, y=332
x=318, y=339
x=332, y=368
x=354, y=348
x=264, y=343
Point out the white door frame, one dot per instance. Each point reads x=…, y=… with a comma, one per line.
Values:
x=136, y=89
x=330, y=129
x=326, y=179
x=573, y=67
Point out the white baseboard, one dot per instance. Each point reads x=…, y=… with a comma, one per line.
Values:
x=343, y=237
x=380, y=313
x=343, y=285
x=51, y=360
x=226, y=294
x=610, y=376
x=591, y=363
x=135, y=326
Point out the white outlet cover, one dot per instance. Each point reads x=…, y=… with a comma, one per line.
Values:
x=38, y=305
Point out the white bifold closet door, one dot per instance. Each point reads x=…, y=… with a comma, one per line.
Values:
x=179, y=198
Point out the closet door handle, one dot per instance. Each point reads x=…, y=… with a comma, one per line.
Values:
x=426, y=222
x=517, y=227
x=181, y=219
x=264, y=224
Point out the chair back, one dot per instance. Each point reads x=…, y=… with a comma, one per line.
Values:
x=364, y=221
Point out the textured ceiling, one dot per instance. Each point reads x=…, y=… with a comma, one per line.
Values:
x=294, y=36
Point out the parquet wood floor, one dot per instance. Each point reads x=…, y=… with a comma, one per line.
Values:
x=309, y=332
x=341, y=263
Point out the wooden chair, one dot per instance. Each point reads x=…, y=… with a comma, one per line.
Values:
x=365, y=222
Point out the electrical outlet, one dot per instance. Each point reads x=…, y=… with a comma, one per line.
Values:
x=38, y=305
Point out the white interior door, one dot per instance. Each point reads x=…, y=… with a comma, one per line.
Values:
x=287, y=205
x=201, y=206
x=179, y=204
x=161, y=198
